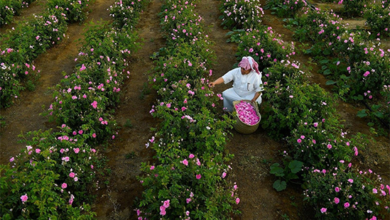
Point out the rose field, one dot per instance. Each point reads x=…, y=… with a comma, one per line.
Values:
x=106, y=110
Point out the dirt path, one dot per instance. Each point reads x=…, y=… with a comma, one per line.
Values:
x=23, y=116
x=376, y=156
x=116, y=201
x=25, y=14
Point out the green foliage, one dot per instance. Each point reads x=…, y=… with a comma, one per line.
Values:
x=319, y=144
x=53, y=177
x=188, y=180
x=354, y=7
x=289, y=104
x=378, y=19
x=130, y=155
x=128, y=124
x=74, y=10
x=285, y=8
x=264, y=46
x=27, y=41
x=83, y=98
x=289, y=172
x=345, y=192
x=40, y=172
x=241, y=14
x=9, y=8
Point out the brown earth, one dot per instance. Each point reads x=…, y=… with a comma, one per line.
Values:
x=116, y=201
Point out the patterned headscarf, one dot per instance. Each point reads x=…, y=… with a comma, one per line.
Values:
x=249, y=63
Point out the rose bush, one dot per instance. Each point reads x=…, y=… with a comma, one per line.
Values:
x=285, y=8
x=53, y=177
x=378, y=18
x=354, y=7
x=54, y=170
x=9, y=8
x=346, y=192
x=83, y=98
x=314, y=137
x=75, y=10
x=264, y=45
x=182, y=60
x=188, y=180
x=318, y=144
x=241, y=14
x=287, y=105
x=27, y=41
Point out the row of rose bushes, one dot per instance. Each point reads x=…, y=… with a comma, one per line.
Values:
x=9, y=8
x=377, y=14
x=358, y=68
x=21, y=46
x=287, y=8
x=55, y=176
x=304, y=116
x=188, y=179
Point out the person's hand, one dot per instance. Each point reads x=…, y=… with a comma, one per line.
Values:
x=212, y=84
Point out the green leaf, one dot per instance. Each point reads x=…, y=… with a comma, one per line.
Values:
x=359, y=97
x=327, y=72
x=330, y=82
x=370, y=124
x=378, y=114
x=280, y=185
x=375, y=107
x=295, y=166
x=362, y=113
x=276, y=170
x=324, y=61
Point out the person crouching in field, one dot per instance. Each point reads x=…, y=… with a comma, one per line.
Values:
x=247, y=83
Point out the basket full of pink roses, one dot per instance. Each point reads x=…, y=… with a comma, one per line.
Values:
x=247, y=115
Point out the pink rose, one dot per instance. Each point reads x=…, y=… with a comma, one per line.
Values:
x=152, y=168
x=337, y=189
x=299, y=141
x=162, y=211
x=71, y=175
x=336, y=200
x=185, y=162
x=166, y=203
x=237, y=201
x=346, y=205
x=76, y=150
x=223, y=175
x=64, y=185
x=37, y=151
x=24, y=198
x=323, y=210
x=191, y=156
x=198, y=176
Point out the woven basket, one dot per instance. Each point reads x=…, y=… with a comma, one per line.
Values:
x=240, y=126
